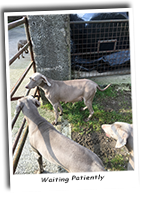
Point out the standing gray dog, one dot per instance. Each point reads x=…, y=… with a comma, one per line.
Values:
x=123, y=133
x=66, y=91
x=52, y=145
x=21, y=44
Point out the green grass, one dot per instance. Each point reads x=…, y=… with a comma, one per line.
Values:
x=110, y=92
x=72, y=112
x=74, y=115
x=117, y=163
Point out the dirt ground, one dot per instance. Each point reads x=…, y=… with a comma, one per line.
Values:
x=96, y=141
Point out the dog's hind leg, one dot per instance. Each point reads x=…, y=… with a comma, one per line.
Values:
x=39, y=160
x=88, y=104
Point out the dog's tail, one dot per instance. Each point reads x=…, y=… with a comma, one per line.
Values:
x=104, y=88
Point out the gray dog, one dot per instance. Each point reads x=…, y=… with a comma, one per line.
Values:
x=21, y=44
x=52, y=145
x=66, y=91
x=123, y=133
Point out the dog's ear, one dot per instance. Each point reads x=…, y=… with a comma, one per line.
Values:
x=45, y=80
x=19, y=106
x=121, y=134
x=36, y=102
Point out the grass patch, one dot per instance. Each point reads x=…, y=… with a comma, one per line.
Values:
x=109, y=106
x=110, y=92
x=100, y=116
x=117, y=163
x=47, y=106
x=72, y=112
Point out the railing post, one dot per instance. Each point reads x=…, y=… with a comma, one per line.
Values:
x=14, y=89
x=30, y=45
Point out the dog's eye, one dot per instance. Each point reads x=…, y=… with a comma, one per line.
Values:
x=32, y=79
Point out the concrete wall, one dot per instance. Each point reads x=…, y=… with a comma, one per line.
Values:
x=50, y=36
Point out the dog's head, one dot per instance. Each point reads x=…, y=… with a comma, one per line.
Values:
x=25, y=102
x=119, y=131
x=36, y=79
x=26, y=51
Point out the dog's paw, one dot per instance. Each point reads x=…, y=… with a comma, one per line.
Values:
x=54, y=123
x=38, y=172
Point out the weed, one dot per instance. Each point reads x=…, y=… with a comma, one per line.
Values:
x=110, y=92
x=47, y=106
x=118, y=163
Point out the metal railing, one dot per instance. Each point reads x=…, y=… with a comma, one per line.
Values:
x=21, y=136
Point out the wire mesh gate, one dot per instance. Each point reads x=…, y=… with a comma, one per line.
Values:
x=100, y=48
x=21, y=137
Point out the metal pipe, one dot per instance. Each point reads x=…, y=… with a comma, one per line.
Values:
x=30, y=45
x=18, y=136
x=16, y=98
x=16, y=23
x=19, y=149
x=18, y=53
x=99, y=21
x=31, y=50
x=22, y=141
x=16, y=116
x=14, y=89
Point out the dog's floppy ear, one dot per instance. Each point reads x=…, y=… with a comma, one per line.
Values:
x=121, y=134
x=45, y=80
x=37, y=103
x=19, y=106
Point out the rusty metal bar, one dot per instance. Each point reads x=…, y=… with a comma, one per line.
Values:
x=14, y=89
x=16, y=116
x=18, y=136
x=30, y=44
x=19, y=149
x=31, y=51
x=16, y=98
x=22, y=126
x=22, y=141
x=16, y=23
x=18, y=53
